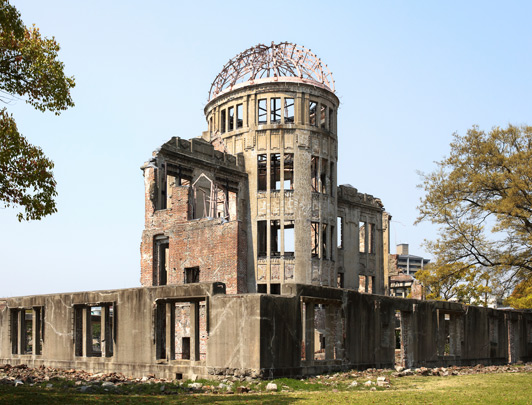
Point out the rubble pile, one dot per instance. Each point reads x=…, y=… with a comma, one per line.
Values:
x=49, y=377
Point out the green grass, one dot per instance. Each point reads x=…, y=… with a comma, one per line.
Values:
x=514, y=388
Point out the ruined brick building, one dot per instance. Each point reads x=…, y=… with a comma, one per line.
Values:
x=254, y=203
x=253, y=261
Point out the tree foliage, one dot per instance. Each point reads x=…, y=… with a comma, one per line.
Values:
x=29, y=70
x=481, y=198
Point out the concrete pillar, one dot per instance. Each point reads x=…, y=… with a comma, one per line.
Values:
x=441, y=334
x=87, y=338
x=309, y=331
x=407, y=338
x=36, y=331
x=21, y=330
x=170, y=331
x=194, y=331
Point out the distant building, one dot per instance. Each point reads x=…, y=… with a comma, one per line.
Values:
x=402, y=269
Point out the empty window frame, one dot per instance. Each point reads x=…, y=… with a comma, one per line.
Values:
x=288, y=110
x=161, y=259
x=162, y=186
x=223, y=122
x=362, y=287
x=312, y=112
x=315, y=238
x=275, y=238
x=362, y=234
x=331, y=112
x=262, y=170
x=324, y=179
x=331, y=241
x=231, y=118
x=239, y=116
x=324, y=245
x=262, y=111
x=191, y=275
x=323, y=116
x=94, y=330
x=289, y=239
x=275, y=171
x=275, y=110
x=262, y=288
x=340, y=232
x=288, y=171
x=314, y=162
x=180, y=330
x=340, y=280
x=27, y=330
x=262, y=235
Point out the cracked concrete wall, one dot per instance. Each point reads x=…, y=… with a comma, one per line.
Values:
x=269, y=335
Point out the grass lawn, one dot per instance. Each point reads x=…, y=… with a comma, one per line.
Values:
x=512, y=388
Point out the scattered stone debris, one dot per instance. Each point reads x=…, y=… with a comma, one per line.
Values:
x=370, y=379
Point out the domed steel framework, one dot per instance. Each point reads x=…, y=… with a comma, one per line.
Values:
x=272, y=62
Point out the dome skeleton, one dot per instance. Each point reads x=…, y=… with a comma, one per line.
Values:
x=277, y=60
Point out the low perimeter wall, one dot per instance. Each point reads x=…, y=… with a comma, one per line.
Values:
x=198, y=330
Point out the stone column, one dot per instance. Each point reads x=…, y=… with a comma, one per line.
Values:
x=194, y=331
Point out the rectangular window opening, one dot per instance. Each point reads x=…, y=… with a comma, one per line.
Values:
x=161, y=260
x=96, y=331
x=362, y=286
x=331, y=179
x=275, y=110
x=289, y=239
x=340, y=232
x=323, y=116
x=314, y=172
x=262, y=288
x=231, y=121
x=275, y=235
x=262, y=111
x=362, y=226
x=275, y=171
x=371, y=238
x=185, y=348
x=275, y=289
x=261, y=172
x=239, y=116
x=330, y=119
x=315, y=238
x=324, y=179
x=288, y=171
x=223, y=122
x=312, y=112
x=192, y=275
x=288, y=110
x=340, y=280
x=261, y=238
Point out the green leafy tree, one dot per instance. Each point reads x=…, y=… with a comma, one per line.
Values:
x=481, y=198
x=521, y=296
x=29, y=70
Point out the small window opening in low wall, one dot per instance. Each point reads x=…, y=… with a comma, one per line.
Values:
x=262, y=288
x=27, y=330
x=181, y=330
x=94, y=327
x=275, y=289
x=323, y=332
x=399, y=352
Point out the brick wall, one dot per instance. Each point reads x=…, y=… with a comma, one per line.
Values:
x=218, y=248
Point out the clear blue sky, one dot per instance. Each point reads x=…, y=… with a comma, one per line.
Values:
x=408, y=75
